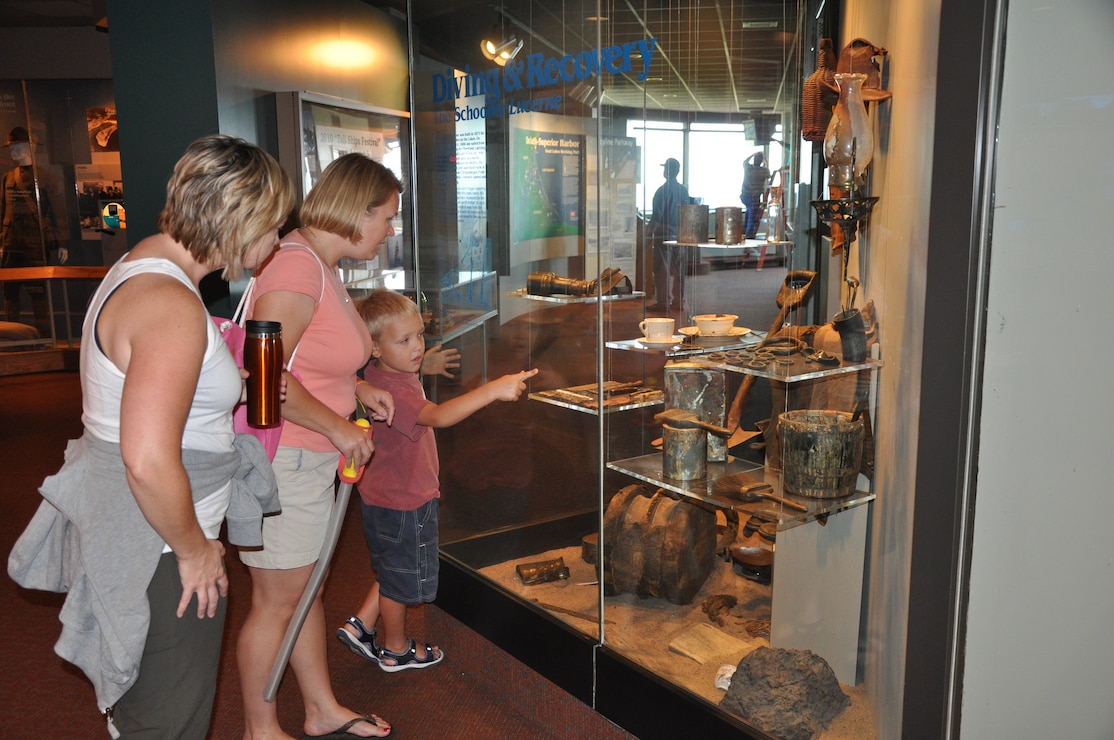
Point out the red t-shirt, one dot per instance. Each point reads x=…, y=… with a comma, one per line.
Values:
x=403, y=472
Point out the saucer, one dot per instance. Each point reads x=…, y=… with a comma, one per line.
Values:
x=733, y=333
x=675, y=339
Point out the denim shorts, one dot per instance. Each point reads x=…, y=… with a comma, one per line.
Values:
x=403, y=547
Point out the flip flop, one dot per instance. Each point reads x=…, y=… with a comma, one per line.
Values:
x=342, y=733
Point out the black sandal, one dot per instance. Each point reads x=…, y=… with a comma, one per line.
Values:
x=363, y=644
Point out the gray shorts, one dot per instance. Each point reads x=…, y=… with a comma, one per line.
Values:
x=403, y=547
x=293, y=537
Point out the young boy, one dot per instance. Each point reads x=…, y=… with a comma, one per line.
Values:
x=399, y=488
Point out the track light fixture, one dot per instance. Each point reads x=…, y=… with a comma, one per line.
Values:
x=503, y=51
x=508, y=51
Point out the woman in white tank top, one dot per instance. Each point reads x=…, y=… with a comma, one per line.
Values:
x=158, y=384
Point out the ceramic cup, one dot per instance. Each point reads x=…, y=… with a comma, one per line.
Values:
x=713, y=324
x=656, y=330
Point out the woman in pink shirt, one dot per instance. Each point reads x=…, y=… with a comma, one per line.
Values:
x=347, y=214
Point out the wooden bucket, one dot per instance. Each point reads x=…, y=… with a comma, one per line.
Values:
x=657, y=545
x=821, y=451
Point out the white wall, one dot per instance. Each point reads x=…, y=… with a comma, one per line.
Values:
x=1040, y=653
x=894, y=253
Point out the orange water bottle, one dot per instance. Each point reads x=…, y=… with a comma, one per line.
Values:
x=263, y=361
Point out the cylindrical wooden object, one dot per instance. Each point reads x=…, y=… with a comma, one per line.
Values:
x=821, y=451
x=657, y=546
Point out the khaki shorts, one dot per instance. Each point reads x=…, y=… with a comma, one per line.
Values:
x=293, y=538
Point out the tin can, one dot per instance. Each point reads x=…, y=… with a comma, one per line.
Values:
x=729, y=225
x=692, y=224
x=263, y=361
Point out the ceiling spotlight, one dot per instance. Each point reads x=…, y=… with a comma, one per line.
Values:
x=488, y=47
x=503, y=51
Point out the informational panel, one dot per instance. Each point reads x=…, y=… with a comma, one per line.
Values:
x=546, y=194
x=315, y=130
x=473, y=245
x=614, y=211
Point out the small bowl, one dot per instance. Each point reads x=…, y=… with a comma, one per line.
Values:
x=714, y=324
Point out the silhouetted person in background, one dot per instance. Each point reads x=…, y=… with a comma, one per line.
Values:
x=669, y=260
x=27, y=229
x=755, y=177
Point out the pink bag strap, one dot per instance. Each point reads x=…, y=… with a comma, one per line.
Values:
x=241, y=307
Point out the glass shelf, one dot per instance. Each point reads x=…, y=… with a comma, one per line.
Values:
x=748, y=244
x=521, y=293
x=460, y=327
x=586, y=401
x=796, y=370
x=648, y=468
x=690, y=346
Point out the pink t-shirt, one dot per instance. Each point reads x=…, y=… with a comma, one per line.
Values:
x=335, y=344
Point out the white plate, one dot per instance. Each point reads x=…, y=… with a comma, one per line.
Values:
x=735, y=331
x=676, y=339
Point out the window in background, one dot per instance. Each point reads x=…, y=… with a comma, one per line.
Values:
x=715, y=167
x=659, y=140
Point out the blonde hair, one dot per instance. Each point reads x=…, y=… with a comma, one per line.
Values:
x=223, y=196
x=349, y=187
x=383, y=306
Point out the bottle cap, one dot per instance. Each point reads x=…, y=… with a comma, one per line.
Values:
x=263, y=327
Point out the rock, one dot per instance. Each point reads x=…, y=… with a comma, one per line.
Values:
x=789, y=694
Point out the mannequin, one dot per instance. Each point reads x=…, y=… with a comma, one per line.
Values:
x=27, y=230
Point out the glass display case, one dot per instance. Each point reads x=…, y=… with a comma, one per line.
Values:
x=657, y=508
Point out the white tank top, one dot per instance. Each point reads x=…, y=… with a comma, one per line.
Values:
x=209, y=424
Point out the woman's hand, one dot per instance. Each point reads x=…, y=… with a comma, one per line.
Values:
x=203, y=573
x=353, y=442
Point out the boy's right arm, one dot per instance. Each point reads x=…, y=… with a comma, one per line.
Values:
x=507, y=388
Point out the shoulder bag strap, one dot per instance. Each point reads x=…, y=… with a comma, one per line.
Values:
x=321, y=297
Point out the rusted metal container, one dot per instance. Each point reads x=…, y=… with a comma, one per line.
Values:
x=729, y=225
x=692, y=224
x=702, y=390
x=657, y=545
x=684, y=453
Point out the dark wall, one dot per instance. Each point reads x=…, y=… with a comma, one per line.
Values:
x=187, y=68
x=165, y=78
x=54, y=54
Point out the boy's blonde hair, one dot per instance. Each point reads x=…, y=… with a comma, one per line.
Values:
x=349, y=187
x=384, y=305
x=223, y=196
